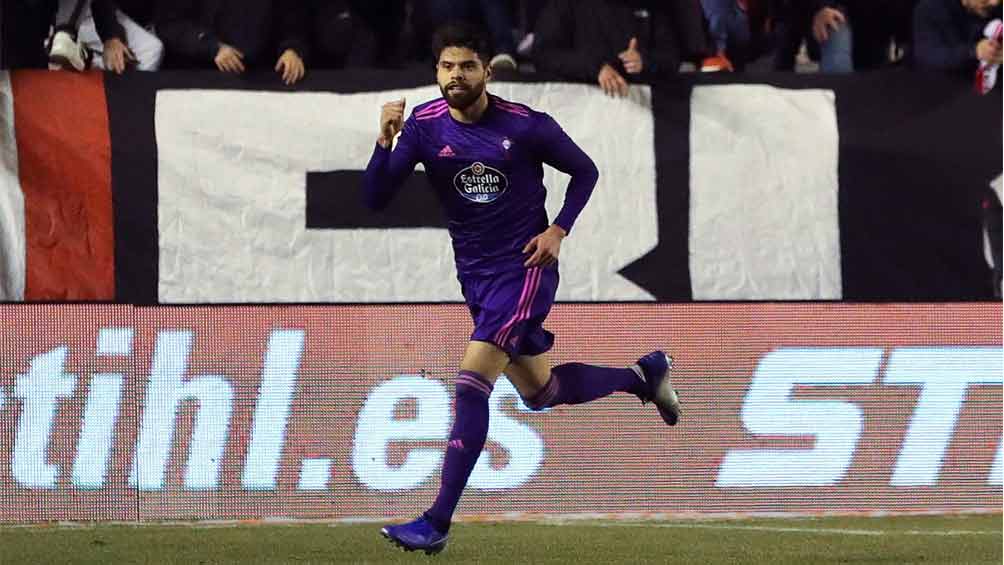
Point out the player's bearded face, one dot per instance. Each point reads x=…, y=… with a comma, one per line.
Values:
x=461, y=76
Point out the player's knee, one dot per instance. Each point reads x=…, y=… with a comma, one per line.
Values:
x=533, y=403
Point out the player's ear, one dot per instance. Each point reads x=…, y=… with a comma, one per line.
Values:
x=488, y=72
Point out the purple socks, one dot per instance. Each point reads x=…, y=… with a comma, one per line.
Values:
x=467, y=439
x=575, y=383
x=571, y=383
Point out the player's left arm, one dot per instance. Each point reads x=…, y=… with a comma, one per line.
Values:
x=389, y=167
x=556, y=149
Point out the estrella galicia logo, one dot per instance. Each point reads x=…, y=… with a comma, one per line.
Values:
x=480, y=183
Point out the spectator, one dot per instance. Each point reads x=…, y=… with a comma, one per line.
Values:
x=496, y=16
x=105, y=28
x=948, y=35
x=855, y=35
x=834, y=35
x=235, y=35
x=759, y=26
x=529, y=13
x=686, y=18
x=790, y=23
x=993, y=234
x=688, y=26
x=357, y=33
x=845, y=35
x=24, y=25
x=729, y=29
x=606, y=41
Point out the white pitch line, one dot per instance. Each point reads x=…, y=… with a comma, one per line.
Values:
x=810, y=530
x=559, y=521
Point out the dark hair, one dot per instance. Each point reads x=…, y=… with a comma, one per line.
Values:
x=462, y=34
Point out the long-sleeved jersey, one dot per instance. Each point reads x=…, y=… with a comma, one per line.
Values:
x=488, y=176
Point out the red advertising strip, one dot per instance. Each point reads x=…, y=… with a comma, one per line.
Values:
x=120, y=413
x=64, y=164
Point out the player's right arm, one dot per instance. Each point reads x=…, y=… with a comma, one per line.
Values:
x=388, y=168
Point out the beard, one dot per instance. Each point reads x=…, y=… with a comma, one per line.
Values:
x=462, y=99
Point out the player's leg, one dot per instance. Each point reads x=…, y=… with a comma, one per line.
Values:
x=543, y=386
x=481, y=365
x=499, y=305
x=529, y=374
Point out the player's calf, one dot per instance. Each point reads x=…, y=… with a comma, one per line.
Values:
x=576, y=383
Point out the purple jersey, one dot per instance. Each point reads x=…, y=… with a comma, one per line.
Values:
x=488, y=176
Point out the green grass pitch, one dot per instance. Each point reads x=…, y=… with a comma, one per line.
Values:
x=902, y=539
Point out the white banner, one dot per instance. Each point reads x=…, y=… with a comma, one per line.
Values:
x=764, y=221
x=232, y=193
x=12, y=237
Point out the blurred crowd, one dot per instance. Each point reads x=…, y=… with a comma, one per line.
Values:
x=608, y=42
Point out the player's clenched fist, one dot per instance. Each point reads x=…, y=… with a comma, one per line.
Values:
x=391, y=121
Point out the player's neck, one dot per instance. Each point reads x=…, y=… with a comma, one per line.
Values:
x=472, y=113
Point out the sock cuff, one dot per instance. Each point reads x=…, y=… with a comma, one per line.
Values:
x=441, y=526
x=544, y=396
x=474, y=380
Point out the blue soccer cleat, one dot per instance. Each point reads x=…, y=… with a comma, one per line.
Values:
x=656, y=367
x=417, y=535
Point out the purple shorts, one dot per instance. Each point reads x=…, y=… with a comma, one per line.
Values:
x=508, y=309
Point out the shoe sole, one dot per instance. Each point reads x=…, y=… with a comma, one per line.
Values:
x=400, y=544
x=665, y=398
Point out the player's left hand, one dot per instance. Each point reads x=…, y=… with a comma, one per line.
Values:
x=291, y=66
x=545, y=247
x=631, y=57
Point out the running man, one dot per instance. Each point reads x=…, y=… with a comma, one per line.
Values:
x=484, y=157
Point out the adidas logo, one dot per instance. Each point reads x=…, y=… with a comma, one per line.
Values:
x=456, y=444
x=447, y=151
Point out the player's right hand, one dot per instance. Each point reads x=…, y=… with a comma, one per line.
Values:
x=391, y=121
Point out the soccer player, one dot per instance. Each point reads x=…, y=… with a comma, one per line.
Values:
x=484, y=157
